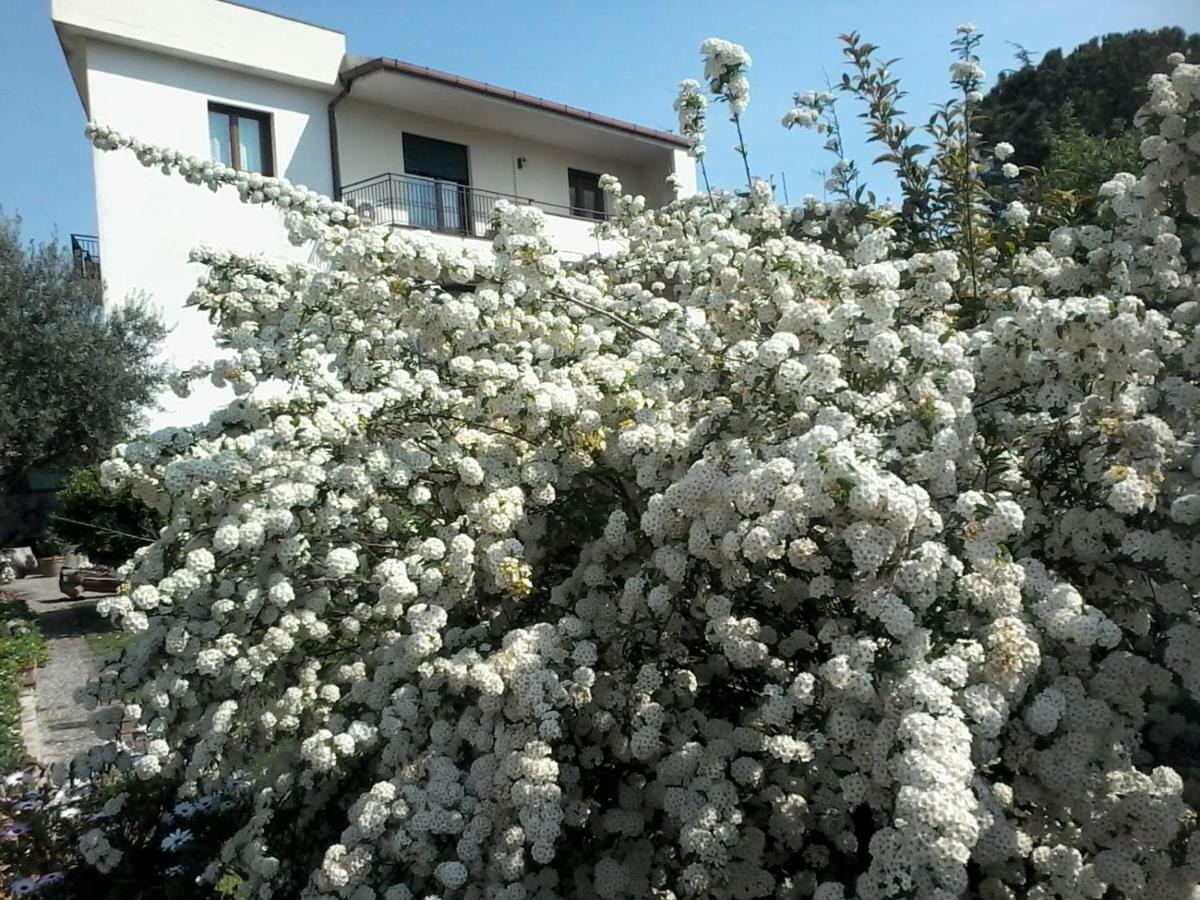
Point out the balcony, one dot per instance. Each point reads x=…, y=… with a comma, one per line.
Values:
x=410, y=201
x=85, y=250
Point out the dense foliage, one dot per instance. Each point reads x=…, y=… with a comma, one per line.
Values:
x=795, y=552
x=74, y=377
x=1081, y=162
x=1103, y=82
x=106, y=525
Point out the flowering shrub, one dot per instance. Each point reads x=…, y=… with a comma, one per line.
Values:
x=58, y=838
x=788, y=552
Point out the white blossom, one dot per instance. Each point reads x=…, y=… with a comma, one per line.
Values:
x=749, y=560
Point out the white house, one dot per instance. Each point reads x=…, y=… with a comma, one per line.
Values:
x=409, y=146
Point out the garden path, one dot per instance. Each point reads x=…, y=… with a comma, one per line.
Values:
x=55, y=725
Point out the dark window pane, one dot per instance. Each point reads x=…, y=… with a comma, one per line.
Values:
x=587, y=200
x=431, y=158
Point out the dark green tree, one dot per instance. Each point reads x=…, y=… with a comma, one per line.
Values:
x=1103, y=81
x=1080, y=161
x=105, y=524
x=75, y=376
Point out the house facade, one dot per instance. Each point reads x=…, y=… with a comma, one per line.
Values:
x=407, y=146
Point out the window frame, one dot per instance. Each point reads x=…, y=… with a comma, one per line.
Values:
x=599, y=213
x=266, y=134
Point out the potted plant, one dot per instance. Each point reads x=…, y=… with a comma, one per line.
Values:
x=50, y=555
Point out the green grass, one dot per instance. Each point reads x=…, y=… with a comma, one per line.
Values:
x=21, y=646
x=101, y=635
x=105, y=642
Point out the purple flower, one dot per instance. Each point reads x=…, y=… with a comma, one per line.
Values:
x=176, y=839
x=184, y=809
x=51, y=878
x=13, y=830
x=24, y=887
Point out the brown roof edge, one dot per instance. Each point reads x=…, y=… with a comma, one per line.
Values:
x=490, y=90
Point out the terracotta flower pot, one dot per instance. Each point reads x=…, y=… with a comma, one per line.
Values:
x=50, y=566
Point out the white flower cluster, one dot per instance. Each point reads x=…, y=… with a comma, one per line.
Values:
x=810, y=111
x=690, y=104
x=97, y=851
x=727, y=566
x=725, y=66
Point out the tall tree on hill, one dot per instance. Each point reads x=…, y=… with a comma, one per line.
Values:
x=1095, y=89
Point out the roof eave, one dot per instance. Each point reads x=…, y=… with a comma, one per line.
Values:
x=399, y=67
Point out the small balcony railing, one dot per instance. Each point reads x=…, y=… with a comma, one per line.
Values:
x=411, y=201
x=85, y=250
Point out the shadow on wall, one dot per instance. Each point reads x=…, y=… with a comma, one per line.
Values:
x=314, y=137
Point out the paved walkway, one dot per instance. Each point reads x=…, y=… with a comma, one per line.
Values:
x=55, y=724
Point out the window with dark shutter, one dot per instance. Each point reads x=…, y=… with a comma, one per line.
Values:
x=587, y=200
x=440, y=196
x=431, y=158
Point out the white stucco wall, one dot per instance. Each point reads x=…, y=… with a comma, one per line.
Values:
x=370, y=142
x=149, y=222
x=683, y=167
x=216, y=32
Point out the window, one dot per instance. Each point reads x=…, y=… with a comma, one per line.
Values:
x=587, y=200
x=439, y=196
x=241, y=138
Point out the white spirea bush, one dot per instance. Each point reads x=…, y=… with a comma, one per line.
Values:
x=731, y=565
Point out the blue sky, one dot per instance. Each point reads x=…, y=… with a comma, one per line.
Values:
x=622, y=58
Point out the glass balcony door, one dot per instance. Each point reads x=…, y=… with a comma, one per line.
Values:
x=439, y=199
x=436, y=205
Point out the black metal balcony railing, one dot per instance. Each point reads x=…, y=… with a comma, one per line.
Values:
x=85, y=248
x=415, y=202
